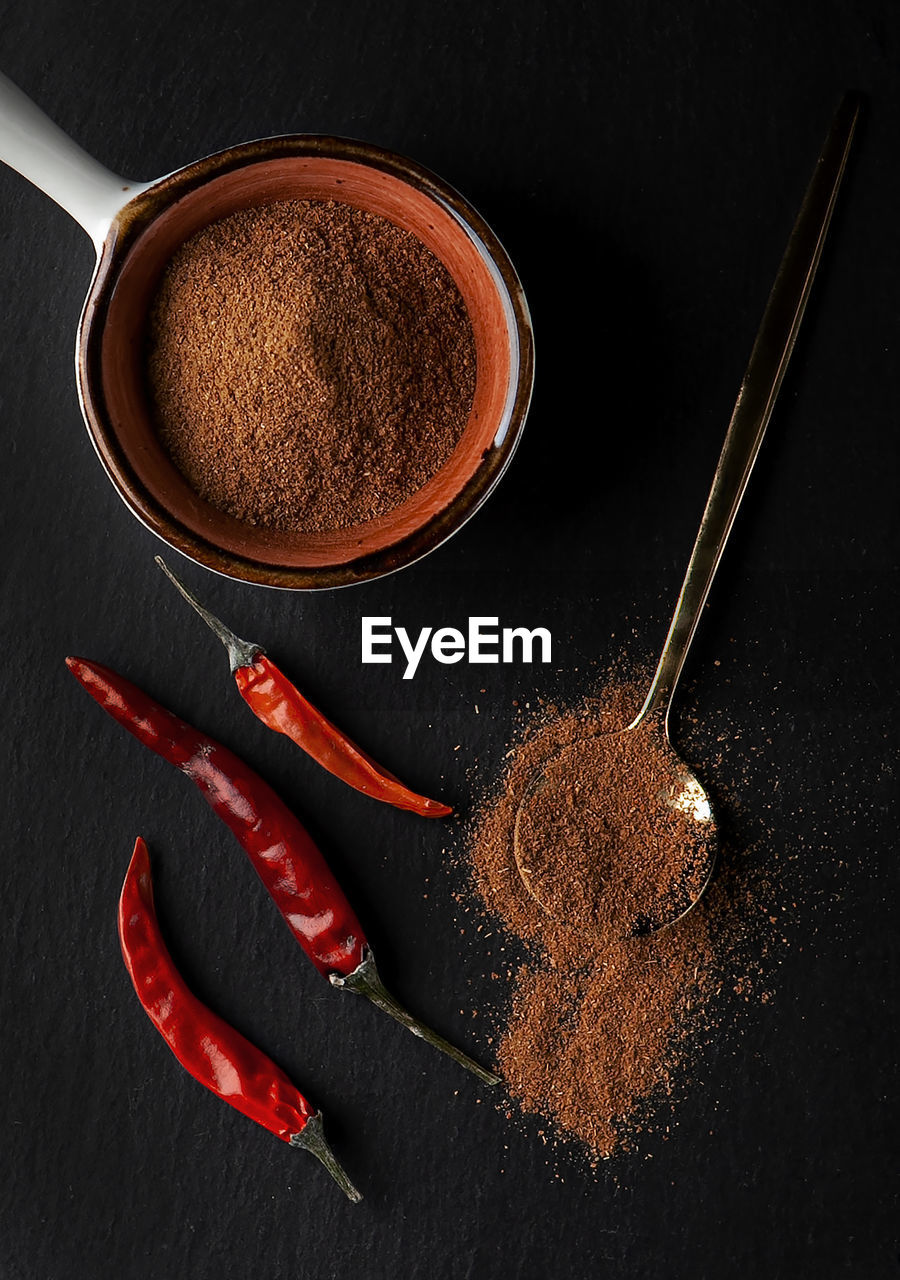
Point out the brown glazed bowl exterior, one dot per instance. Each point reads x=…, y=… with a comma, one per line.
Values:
x=112, y=380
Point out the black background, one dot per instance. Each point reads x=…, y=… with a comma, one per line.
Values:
x=643, y=163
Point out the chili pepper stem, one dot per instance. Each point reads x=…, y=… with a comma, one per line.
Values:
x=365, y=981
x=241, y=653
x=312, y=1138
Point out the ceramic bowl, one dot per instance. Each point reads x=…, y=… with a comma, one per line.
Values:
x=136, y=227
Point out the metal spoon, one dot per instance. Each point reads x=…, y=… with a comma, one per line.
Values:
x=677, y=804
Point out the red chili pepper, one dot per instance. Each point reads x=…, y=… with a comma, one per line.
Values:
x=282, y=707
x=213, y=1052
x=285, y=856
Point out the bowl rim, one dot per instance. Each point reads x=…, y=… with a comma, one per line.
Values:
x=127, y=228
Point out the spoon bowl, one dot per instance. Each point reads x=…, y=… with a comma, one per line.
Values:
x=631, y=824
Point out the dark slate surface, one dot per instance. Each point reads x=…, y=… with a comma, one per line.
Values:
x=643, y=163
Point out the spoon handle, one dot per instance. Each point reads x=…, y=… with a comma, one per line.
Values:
x=756, y=398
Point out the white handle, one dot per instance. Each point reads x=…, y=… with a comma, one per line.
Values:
x=31, y=143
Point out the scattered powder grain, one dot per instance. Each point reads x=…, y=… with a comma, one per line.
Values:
x=311, y=365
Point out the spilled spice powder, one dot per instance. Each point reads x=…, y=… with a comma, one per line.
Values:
x=601, y=1028
x=311, y=365
x=588, y=1047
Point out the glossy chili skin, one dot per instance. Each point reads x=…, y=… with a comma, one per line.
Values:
x=212, y=1051
x=275, y=701
x=285, y=856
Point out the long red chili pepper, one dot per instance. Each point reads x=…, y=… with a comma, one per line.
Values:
x=275, y=701
x=212, y=1051
x=284, y=854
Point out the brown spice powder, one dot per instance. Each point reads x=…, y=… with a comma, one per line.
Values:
x=600, y=841
x=589, y=1047
x=311, y=365
x=601, y=1029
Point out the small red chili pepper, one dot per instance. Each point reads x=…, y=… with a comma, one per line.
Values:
x=282, y=707
x=212, y=1051
x=284, y=854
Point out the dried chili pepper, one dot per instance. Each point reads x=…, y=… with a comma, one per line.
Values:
x=212, y=1051
x=285, y=856
x=275, y=701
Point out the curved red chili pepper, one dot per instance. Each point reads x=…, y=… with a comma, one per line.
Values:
x=275, y=701
x=284, y=854
x=206, y=1046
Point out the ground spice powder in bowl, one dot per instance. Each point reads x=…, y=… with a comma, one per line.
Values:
x=311, y=365
x=294, y=417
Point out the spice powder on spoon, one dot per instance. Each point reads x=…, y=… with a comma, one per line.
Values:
x=604, y=840
x=311, y=365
